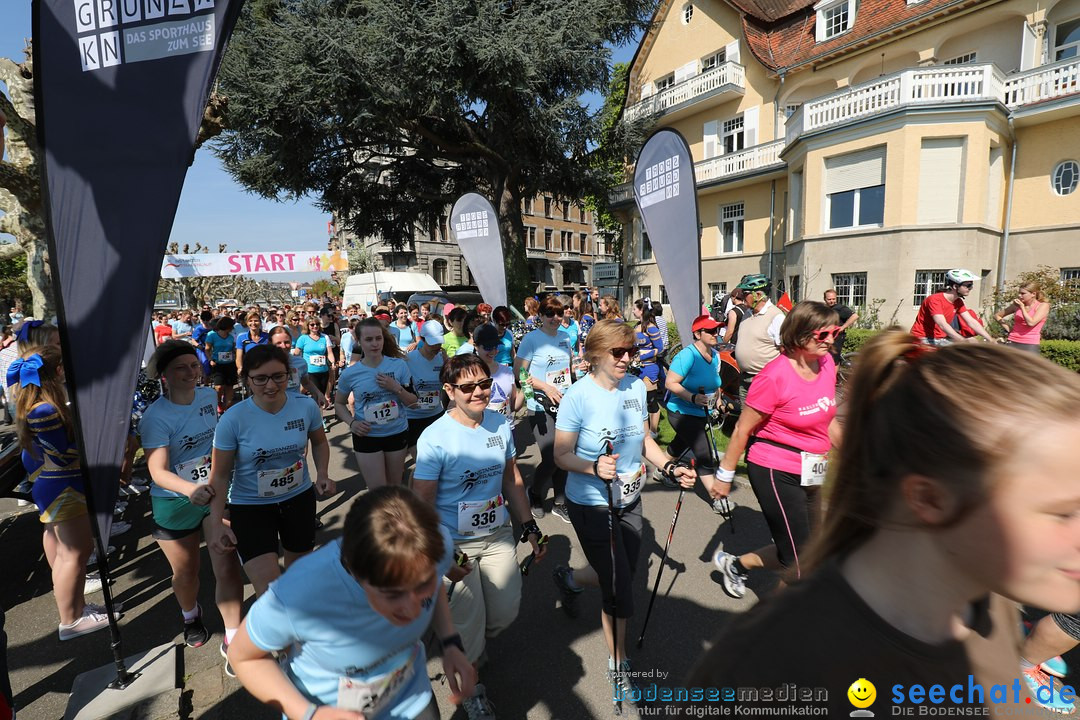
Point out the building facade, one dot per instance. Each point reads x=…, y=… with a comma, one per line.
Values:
x=867, y=145
x=561, y=245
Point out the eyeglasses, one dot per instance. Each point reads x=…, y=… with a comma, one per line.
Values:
x=469, y=387
x=276, y=378
x=711, y=331
x=825, y=334
x=618, y=352
x=967, y=284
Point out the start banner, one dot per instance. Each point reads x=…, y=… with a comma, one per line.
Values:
x=208, y=264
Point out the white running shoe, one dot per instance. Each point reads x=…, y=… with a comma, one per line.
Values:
x=733, y=583
x=88, y=623
x=118, y=608
x=93, y=584
x=478, y=707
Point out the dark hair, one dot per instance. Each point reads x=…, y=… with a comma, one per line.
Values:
x=392, y=538
x=259, y=355
x=551, y=303
x=225, y=323
x=802, y=321
x=472, y=321
x=457, y=366
x=502, y=315
x=456, y=315
x=165, y=353
x=647, y=316
x=206, y=316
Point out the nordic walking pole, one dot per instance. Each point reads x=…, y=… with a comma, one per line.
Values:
x=660, y=570
x=614, y=584
x=715, y=457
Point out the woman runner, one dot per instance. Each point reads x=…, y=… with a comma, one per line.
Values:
x=318, y=351
x=221, y=352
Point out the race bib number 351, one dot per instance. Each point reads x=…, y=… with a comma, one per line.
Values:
x=196, y=470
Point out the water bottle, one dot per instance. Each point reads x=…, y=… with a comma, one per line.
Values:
x=523, y=380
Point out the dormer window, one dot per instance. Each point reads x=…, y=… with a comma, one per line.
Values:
x=834, y=17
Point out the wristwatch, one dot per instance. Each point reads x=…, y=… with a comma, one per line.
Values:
x=454, y=640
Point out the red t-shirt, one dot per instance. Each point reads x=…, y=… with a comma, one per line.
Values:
x=162, y=331
x=936, y=304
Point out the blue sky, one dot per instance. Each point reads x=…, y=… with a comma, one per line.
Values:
x=213, y=207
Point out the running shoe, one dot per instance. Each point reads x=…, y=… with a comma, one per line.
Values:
x=1055, y=666
x=93, y=584
x=23, y=503
x=569, y=593
x=1038, y=682
x=93, y=555
x=663, y=479
x=119, y=528
x=537, y=511
x=734, y=583
x=224, y=649
x=140, y=481
x=623, y=686
x=478, y=707
x=88, y=623
x=195, y=633
x=559, y=511
x=118, y=608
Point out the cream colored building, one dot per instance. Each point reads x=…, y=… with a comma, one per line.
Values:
x=867, y=145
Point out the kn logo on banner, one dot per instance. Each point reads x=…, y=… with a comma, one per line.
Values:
x=114, y=32
x=661, y=182
x=472, y=224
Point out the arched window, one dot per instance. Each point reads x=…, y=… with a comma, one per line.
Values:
x=439, y=270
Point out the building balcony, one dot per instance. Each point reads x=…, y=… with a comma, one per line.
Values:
x=535, y=253
x=603, y=257
x=1043, y=83
x=724, y=82
x=569, y=256
x=725, y=167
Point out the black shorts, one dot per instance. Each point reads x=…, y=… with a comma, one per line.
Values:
x=653, y=398
x=788, y=508
x=417, y=426
x=321, y=380
x=690, y=432
x=223, y=375
x=258, y=528
x=387, y=443
x=591, y=526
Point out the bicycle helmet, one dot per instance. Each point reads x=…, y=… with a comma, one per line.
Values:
x=959, y=275
x=753, y=282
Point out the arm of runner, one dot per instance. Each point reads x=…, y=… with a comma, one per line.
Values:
x=1036, y=317
x=774, y=328
x=731, y=322
x=157, y=461
x=1006, y=312
x=320, y=452
x=219, y=536
x=552, y=392
x=513, y=488
x=939, y=319
x=567, y=459
x=749, y=420
x=460, y=674
x=426, y=490
x=656, y=455
x=673, y=384
x=974, y=324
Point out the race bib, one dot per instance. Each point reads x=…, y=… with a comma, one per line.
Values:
x=481, y=518
x=195, y=471
x=499, y=407
x=317, y=360
x=559, y=379
x=427, y=400
x=382, y=413
x=814, y=468
x=627, y=487
x=372, y=696
x=273, y=483
x=225, y=356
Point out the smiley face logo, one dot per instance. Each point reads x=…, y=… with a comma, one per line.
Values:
x=862, y=693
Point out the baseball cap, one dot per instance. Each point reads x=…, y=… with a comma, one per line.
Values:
x=704, y=322
x=486, y=335
x=432, y=332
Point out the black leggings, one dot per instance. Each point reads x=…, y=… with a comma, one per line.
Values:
x=543, y=428
x=321, y=380
x=591, y=526
x=690, y=433
x=789, y=509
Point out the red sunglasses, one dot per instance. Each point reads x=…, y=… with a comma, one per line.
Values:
x=825, y=334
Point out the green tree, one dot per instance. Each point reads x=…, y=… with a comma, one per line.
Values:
x=387, y=111
x=13, y=287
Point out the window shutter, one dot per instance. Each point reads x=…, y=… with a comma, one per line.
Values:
x=750, y=127
x=939, y=180
x=711, y=141
x=647, y=90
x=731, y=51
x=688, y=70
x=997, y=180
x=864, y=168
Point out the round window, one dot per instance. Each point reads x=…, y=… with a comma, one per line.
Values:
x=687, y=13
x=1066, y=175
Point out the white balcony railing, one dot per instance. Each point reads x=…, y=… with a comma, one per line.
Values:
x=724, y=74
x=570, y=255
x=1044, y=83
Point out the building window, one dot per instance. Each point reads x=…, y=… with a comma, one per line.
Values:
x=566, y=211
x=663, y=295
x=850, y=289
x=855, y=189
x=581, y=215
x=833, y=18
x=965, y=59
x=440, y=271
x=795, y=288
x=547, y=238
x=1067, y=39
x=687, y=13
x=528, y=206
x=644, y=291
x=547, y=207
x=665, y=82
x=566, y=241
x=927, y=282
x=646, y=245
x=584, y=238
x=716, y=291
x=731, y=228
x=713, y=61
x=442, y=228
x=1070, y=276
x=1065, y=177
x=734, y=138
x=531, y=237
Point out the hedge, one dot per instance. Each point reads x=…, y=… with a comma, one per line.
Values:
x=1065, y=353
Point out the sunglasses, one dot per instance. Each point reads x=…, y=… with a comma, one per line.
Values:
x=618, y=352
x=711, y=331
x=825, y=334
x=490, y=348
x=469, y=387
x=967, y=285
x=549, y=313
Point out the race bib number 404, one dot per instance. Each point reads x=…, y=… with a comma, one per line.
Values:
x=273, y=483
x=814, y=469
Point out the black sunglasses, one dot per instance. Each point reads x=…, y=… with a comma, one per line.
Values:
x=549, y=313
x=618, y=352
x=711, y=331
x=469, y=387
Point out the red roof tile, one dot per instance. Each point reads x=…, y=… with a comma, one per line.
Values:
x=770, y=10
x=790, y=42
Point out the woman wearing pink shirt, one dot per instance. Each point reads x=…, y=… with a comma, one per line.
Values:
x=785, y=422
x=1029, y=311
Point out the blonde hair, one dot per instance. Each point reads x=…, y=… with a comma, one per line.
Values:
x=1035, y=289
x=605, y=335
x=950, y=414
x=52, y=391
x=613, y=312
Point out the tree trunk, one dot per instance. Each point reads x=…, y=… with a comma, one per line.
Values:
x=512, y=229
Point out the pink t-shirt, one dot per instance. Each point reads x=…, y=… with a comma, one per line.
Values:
x=1022, y=332
x=799, y=412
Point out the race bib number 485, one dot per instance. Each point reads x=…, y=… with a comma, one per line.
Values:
x=273, y=483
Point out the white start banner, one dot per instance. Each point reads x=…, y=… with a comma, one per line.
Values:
x=239, y=263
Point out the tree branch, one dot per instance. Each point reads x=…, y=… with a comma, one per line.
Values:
x=10, y=250
x=17, y=181
x=11, y=75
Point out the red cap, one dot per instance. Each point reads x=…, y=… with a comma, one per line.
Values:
x=704, y=322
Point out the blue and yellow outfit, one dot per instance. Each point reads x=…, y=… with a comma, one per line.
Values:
x=53, y=467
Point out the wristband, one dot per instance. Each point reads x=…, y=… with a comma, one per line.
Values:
x=454, y=640
x=725, y=475
x=693, y=396
x=530, y=528
x=669, y=468
x=596, y=467
x=310, y=712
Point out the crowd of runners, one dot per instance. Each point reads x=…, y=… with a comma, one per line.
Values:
x=906, y=521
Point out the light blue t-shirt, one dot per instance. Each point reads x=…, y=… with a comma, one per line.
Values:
x=549, y=360
x=699, y=376
x=425, y=377
x=597, y=416
x=348, y=341
x=572, y=331
x=315, y=353
x=181, y=328
x=188, y=433
x=222, y=349
x=372, y=404
x=468, y=465
x=297, y=371
x=505, y=355
x=270, y=464
x=319, y=607
x=404, y=335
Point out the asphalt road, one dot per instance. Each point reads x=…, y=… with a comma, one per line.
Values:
x=545, y=665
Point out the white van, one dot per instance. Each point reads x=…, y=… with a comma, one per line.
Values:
x=369, y=288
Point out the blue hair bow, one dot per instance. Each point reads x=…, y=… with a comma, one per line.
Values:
x=25, y=372
x=24, y=330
